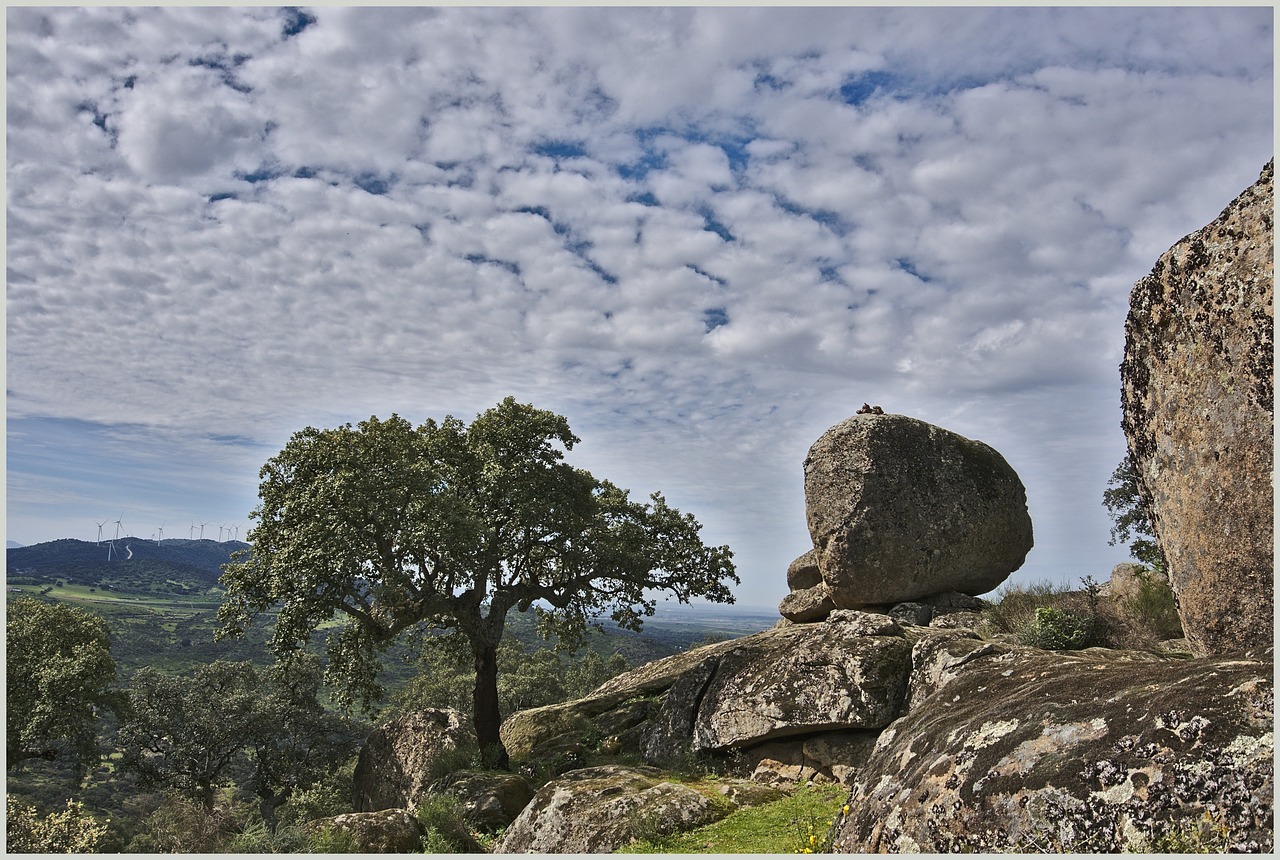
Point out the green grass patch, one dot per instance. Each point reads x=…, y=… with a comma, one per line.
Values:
x=798, y=822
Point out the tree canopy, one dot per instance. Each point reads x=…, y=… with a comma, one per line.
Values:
x=390, y=526
x=1124, y=500
x=58, y=673
x=186, y=732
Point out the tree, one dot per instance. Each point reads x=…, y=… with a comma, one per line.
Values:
x=391, y=527
x=184, y=732
x=298, y=742
x=1128, y=507
x=58, y=673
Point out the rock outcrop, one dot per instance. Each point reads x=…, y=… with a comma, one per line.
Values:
x=798, y=681
x=1198, y=417
x=899, y=509
x=599, y=809
x=947, y=740
x=1014, y=749
x=401, y=757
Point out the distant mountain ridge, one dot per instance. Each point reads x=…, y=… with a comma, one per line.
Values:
x=175, y=565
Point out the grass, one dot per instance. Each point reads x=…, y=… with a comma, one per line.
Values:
x=798, y=822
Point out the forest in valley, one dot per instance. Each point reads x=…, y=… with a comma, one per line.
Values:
x=194, y=744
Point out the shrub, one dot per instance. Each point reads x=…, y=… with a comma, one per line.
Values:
x=443, y=829
x=1060, y=629
x=71, y=831
x=330, y=840
x=784, y=826
x=1155, y=607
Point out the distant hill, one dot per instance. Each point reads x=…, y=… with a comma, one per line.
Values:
x=12, y=544
x=174, y=566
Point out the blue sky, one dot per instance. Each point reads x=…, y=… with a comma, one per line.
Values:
x=703, y=235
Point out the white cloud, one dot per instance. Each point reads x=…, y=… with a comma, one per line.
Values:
x=666, y=223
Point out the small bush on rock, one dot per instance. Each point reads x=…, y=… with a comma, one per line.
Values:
x=1060, y=629
x=1155, y=607
x=444, y=830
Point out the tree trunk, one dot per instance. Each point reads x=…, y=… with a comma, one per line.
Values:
x=486, y=713
x=268, y=803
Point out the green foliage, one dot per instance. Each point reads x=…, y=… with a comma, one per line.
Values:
x=1060, y=629
x=1016, y=607
x=1206, y=835
x=527, y=678
x=1127, y=505
x=331, y=840
x=782, y=827
x=58, y=675
x=70, y=831
x=1049, y=616
x=444, y=830
x=185, y=733
x=388, y=526
x=181, y=825
x=1155, y=607
x=326, y=797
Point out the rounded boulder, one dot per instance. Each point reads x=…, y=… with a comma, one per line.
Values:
x=899, y=510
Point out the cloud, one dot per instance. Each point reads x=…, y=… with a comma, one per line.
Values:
x=704, y=235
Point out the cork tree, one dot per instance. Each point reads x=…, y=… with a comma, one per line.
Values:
x=390, y=528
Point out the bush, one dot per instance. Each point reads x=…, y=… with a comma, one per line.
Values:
x=444, y=831
x=329, y=797
x=1047, y=616
x=1060, y=629
x=71, y=831
x=1155, y=607
x=330, y=840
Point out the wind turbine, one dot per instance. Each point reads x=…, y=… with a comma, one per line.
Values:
x=191, y=535
x=221, y=527
x=100, y=525
x=160, y=539
x=119, y=525
x=202, y=525
x=237, y=532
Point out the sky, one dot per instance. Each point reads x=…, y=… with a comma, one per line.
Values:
x=702, y=235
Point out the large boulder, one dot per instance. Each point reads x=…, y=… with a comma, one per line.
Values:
x=486, y=801
x=402, y=757
x=899, y=509
x=387, y=831
x=1198, y=413
x=800, y=680
x=1007, y=748
x=599, y=809
x=796, y=681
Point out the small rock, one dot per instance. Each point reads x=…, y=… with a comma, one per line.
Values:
x=487, y=801
x=599, y=809
x=401, y=757
x=807, y=605
x=803, y=572
x=914, y=614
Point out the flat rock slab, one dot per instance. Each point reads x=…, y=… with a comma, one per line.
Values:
x=1098, y=751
